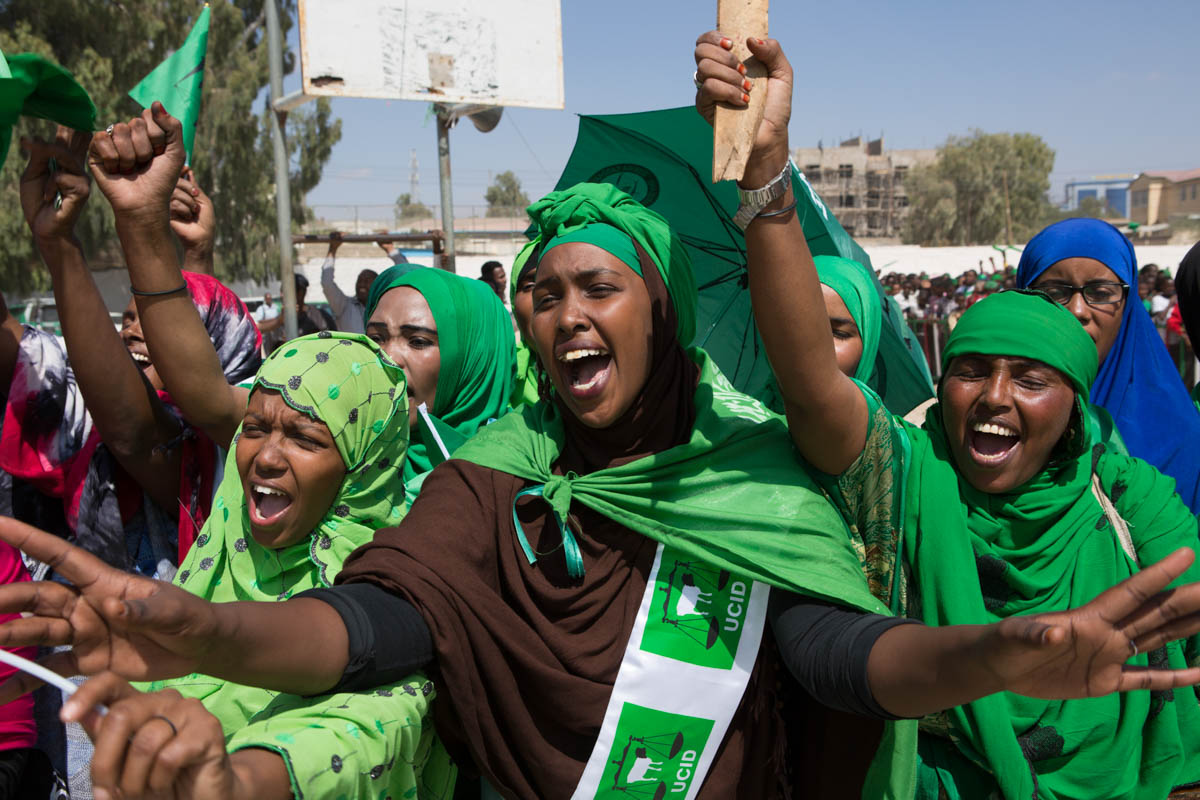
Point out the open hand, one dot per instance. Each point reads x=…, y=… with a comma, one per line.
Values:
x=723, y=79
x=1084, y=652
x=140, y=628
x=152, y=744
x=138, y=164
x=192, y=217
x=52, y=197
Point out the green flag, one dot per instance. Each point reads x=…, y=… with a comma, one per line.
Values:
x=176, y=82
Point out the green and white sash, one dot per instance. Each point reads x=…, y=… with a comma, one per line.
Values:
x=685, y=669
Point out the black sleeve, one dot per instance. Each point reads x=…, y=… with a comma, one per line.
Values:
x=389, y=639
x=826, y=647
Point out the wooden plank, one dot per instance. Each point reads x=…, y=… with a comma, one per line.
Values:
x=734, y=129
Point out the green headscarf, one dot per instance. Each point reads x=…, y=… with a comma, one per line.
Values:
x=478, y=357
x=525, y=387
x=347, y=382
x=852, y=283
x=584, y=204
x=1030, y=325
x=1044, y=547
x=33, y=86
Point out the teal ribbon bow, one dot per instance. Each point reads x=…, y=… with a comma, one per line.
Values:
x=556, y=492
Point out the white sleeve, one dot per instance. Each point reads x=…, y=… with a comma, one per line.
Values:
x=335, y=296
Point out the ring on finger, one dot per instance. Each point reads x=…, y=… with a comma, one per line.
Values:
x=1133, y=647
x=174, y=730
x=696, y=80
x=109, y=129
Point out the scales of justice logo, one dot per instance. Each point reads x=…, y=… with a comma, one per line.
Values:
x=697, y=613
x=633, y=179
x=654, y=755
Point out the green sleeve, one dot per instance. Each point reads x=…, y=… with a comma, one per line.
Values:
x=868, y=495
x=372, y=744
x=1158, y=520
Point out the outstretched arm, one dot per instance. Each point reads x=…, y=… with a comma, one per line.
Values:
x=827, y=413
x=880, y=666
x=137, y=167
x=143, y=629
x=125, y=409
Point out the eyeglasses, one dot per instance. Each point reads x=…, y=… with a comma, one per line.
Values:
x=1095, y=293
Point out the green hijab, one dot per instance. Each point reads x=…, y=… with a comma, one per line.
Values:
x=560, y=215
x=1044, y=547
x=525, y=386
x=851, y=282
x=347, y=382
x=476, y=344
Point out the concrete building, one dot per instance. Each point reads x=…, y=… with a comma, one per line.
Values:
x=863, y=183
x=1111, y=190
x=1156, y=197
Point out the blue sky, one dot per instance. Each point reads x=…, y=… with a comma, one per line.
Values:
x=1110, y=86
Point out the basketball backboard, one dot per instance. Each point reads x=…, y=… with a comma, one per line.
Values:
x=487, y=52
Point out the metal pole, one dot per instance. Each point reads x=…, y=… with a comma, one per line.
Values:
x=443, y=147
x=283, y=196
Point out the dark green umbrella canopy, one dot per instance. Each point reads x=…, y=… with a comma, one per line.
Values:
x=664, y=160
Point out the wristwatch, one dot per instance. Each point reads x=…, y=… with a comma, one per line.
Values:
x=753, y=201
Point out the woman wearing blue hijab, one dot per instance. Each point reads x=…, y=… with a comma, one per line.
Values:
x=1089, y=267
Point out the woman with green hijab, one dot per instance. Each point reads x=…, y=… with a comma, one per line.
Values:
x=855, y=316
x=313, y=474
x=999, y=509
x=453, y=338
x=525, y=388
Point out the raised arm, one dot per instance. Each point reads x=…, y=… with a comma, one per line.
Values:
x=827, y=413
x=336, y=297
x=194, y=222
x=137, y=167
x=125, y=409
x=11, y=332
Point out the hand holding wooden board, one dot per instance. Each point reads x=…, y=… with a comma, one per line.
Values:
x=734, y=129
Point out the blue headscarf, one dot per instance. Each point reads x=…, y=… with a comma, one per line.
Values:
x=1138, y=383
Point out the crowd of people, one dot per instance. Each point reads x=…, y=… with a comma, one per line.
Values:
x=433, y=548
x=921, y=296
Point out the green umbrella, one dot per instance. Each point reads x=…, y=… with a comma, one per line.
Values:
x=664, y=159
x=33, y=86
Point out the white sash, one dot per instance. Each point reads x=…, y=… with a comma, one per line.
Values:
x=684, y=672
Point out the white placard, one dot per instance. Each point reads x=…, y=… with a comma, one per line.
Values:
x=490, y=52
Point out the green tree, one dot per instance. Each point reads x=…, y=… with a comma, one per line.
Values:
x=983, y=189
x=405, y=208
x=504, y=197
x=110, y=47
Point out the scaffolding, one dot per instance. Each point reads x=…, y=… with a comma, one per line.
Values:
x=863, y=184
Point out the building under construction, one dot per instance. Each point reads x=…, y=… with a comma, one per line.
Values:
x=863, y=183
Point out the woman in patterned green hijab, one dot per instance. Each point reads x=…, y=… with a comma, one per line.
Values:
x=314, y=472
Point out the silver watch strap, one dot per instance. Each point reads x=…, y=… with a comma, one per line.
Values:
x=753, y=201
